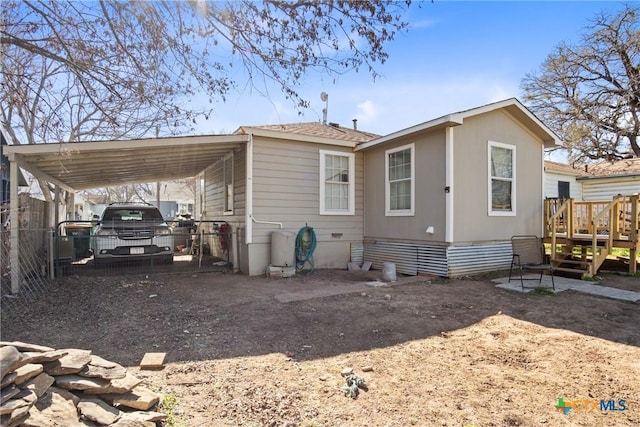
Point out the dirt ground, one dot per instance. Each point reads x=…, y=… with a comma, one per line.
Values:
x=254, y=351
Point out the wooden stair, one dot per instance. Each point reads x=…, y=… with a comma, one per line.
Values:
x=583, y=234
x=584, y=264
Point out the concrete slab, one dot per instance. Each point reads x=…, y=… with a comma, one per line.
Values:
x=564, y=284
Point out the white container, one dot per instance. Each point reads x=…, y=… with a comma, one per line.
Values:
x=388, y=272
x=283, y=248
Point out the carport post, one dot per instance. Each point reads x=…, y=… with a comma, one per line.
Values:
x=14, y=212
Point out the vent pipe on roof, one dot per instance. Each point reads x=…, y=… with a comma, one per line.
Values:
x=355, y=124
x=324, y=96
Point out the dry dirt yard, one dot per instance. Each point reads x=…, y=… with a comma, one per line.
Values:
x=254, y=351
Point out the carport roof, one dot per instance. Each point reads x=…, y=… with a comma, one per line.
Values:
x=83, y=165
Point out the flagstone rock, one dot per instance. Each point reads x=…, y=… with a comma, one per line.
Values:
x=147, y=416
x=8, y=392
x=99, y=411
x=76, y=382
x=25, y=347
x=48, y=356
x=40, y=384
x=56, y=407
x=101, y=368
x=10, y=359
x=139, y=398
x=44, y=387
x=27, y=372
x=119, y=385
x=16, y=418
x=71, y=363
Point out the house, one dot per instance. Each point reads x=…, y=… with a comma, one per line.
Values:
x=5, y=176
x=284, y=178
x=443, y=197
x=592, y=182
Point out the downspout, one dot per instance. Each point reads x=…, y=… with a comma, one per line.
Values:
x=14, y=212
x=248, y=224
x=250, y=219
x=449, y=186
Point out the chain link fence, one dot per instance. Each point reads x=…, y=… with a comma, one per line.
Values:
x=46, y=255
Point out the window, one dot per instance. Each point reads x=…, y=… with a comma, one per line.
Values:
x=502, y=172
x=337, y=188
x=564, y=190
x=400, y=182
x=228, y=185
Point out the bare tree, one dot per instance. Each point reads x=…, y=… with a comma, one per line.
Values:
x=589, y=94
x=76, y=71
x=126, y=67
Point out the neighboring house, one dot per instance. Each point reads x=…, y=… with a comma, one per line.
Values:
x=592, y=182
x=443, y=197
x=560, y=181
x=5, y=179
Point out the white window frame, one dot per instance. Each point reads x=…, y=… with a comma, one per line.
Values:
x=352, y=187
x=387, y=187
x=227, y=187
x=490, y=210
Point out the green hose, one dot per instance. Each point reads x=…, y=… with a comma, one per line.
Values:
x=305, y=247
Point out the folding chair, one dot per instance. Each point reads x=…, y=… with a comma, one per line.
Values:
x=528, y=255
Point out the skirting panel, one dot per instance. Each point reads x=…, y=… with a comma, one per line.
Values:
x=405, y=256
x=451, y=261
x=465, y=260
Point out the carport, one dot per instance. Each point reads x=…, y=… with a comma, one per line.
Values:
x=84, y=165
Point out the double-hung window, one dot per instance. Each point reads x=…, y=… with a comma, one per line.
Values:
x=400, y=181
x=337, y=183
x=502, y=179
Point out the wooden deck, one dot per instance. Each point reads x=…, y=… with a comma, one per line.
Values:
x=583, y=234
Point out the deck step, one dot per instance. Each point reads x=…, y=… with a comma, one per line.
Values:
x=571, y=270
x=572, y=262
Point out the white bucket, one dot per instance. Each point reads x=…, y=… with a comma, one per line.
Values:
x=388, y=272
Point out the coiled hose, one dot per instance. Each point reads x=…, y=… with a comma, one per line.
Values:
x=305, y=246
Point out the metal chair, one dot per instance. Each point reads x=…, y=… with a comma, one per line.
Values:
x=528, y=255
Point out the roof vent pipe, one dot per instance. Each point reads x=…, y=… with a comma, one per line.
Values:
x=355, y=124
x=324, y=96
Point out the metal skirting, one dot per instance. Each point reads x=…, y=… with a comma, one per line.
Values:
x=451, y=261
x=357, y=252
x=465, y=260
x=405, y=256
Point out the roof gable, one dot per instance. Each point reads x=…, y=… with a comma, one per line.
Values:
x=511, y=105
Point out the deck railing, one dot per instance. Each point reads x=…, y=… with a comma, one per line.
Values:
x=605, y=224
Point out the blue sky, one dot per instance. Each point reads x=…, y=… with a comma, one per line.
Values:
x=456, y=55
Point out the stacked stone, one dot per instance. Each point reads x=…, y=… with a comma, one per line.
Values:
x=45, y=387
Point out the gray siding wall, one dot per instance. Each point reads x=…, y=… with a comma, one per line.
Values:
x=286, y=190
x=606, y=189
x=472, y=222
x=213, y=201
x=429, y=192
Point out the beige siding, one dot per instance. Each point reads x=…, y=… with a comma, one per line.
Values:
x=213, y=200
x=286, y=190
x=472, y=223
x=429, y=189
